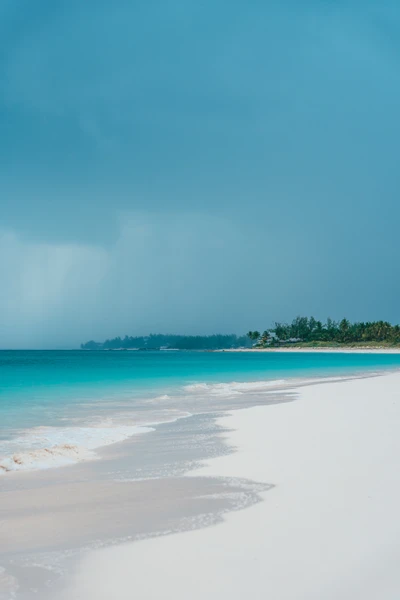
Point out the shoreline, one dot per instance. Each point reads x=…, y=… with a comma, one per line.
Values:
x=316, y=349
x=327, y=526
x=200, y=485
x=67, y=453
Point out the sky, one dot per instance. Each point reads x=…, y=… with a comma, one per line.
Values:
x=196, y=166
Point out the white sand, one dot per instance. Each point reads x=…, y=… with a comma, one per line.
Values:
x=329, y=530
x=327, y=349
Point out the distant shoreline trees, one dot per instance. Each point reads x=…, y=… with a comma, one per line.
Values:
x=302, y=330
x=309, y=330
x=178, y=342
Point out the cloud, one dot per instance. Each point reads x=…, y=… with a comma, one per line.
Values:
x=47, y=288
x=186, y=272
x=195, y=167
x=170, y=272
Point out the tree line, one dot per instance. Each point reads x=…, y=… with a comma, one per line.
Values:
x=155, y=341
x=309, y=329
x=302, y=330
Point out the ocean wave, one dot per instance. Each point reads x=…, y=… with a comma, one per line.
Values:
x=45, y=458
x=233, y=388
x=47, y=447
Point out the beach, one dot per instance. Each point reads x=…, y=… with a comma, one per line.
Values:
x=199, y=307
x=285, y=487
x=326, y=349
x=327, y=527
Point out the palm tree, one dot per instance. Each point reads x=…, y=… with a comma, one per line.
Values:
x=253, y=335
x=265, y=337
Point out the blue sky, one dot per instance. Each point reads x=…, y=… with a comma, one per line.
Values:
x=196, y=166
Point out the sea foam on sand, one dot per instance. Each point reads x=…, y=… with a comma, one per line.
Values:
x=47, y=447
x=328, y=529
x=233, y=388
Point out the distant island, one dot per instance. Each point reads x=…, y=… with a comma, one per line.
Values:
x=308, y=332
x=302, y=332
x=159, y=341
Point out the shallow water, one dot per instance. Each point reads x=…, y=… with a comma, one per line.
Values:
x=77, y=402
x=137, y=486
x=137, y=489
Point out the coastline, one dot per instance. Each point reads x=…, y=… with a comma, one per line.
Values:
x=316, y=349
x=59, y=447
x=327, y=526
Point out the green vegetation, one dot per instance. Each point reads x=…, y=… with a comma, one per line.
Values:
x=180, y=342
x=310, y=332
x=303, y=331
x=253, y=335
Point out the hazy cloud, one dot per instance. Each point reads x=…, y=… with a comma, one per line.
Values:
x=196, y=167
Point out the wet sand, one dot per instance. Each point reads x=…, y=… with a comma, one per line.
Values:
x=316, y=471
x=329, y=527
x=137, y=489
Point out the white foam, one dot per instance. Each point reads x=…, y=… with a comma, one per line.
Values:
x=45, y=458
x=8, y=584
x=233, y=388
x=47, y=447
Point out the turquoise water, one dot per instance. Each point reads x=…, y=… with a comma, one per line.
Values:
x=70, y=388
x=35, y=386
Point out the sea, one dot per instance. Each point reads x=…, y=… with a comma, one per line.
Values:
x=99, y=448
x=59, y=407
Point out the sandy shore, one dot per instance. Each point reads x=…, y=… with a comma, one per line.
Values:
x=344, y=349
x=327, y=529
